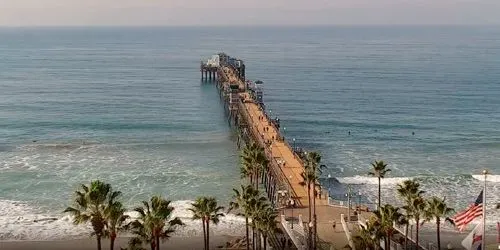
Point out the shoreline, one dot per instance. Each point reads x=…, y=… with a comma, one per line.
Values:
x=91, y=243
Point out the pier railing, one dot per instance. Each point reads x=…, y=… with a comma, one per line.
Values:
x=292, y=149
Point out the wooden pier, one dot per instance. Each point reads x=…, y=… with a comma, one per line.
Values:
x=245, y=108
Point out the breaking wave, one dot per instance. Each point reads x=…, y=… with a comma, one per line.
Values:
x=20, y=221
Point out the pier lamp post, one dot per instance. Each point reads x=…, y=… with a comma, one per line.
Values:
x=291, y=204
x=359, y=199
x=349, y=196
x=284, y=133
x=293, y=139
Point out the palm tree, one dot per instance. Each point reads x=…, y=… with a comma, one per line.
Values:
x=115, y=219
x=408, y=190
x=387, y=216
x=313, y=160
x=247, y=161
x=437, y=209
x=155, y=222
x=241, y=201
x=256, y=207
x=366, y=239
x=266, y=223
x=417, y=210
x=309, y=178
x=206, y=210
x=253, y=161
x=90, y=205
x=379, y=171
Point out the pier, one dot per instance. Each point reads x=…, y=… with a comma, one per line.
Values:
x=244, y=104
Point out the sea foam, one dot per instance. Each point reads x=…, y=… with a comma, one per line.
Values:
x=489, y=178
x=20, y=221
x=371, y=180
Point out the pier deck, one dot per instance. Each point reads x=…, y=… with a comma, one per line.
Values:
x=292, y=168
x=288, y=163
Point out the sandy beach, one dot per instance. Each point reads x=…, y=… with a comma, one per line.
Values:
x=184, y=243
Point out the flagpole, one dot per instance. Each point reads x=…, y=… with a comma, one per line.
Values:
x=483, y=242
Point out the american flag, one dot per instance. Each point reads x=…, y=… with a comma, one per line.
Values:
x=463, y=218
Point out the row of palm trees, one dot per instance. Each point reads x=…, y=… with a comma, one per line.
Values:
x=255, y=164
x=99, y=205
x=310, y=175
x=258, y=213
x=417, y=209
x=250, y=202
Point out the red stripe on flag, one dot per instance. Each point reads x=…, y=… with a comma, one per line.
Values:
x=463, y=218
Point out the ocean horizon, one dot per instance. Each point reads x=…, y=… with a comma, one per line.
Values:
x=126, y=105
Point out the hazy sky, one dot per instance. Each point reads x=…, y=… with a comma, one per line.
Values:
x=249, y=12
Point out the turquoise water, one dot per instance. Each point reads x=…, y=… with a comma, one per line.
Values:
x=126, y=105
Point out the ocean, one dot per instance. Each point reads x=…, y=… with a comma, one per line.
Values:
x=126, y=105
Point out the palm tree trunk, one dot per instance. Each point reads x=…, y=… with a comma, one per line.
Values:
x=157, y=242
x=387, y=243
x=208, y=235
x=246, y=225
x=265, y=242
x=314, y=218
x=406, y=234
x=309, y=233
x=257, y=180
x=264, y=177
x=267, y=182
x=379, y=193
x=112, y=241
x=258, y=240
x=204, y=235
x=253, y=236
x=153, y=244
x=98, y=242
x=416, y=231
x=438, y=233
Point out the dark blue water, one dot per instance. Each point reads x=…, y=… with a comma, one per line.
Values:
x=126, y=105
